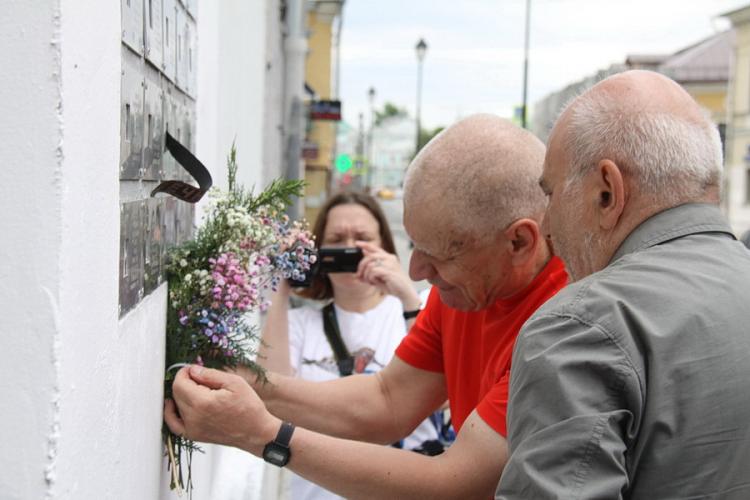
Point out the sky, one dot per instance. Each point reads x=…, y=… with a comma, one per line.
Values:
x=474, y=60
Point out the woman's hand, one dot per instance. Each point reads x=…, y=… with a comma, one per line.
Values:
x=383, y=270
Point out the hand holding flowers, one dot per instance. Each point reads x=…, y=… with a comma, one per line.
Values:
x=246, y=245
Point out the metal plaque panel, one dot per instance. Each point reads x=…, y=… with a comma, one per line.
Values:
x=155, y=245
x=169, y=214
x=131, y=116
x=187, y=128
x=158, y=89
x=169, y=112
x=180, y=131
x=153, y=125
x=183, y=33
x=178, y=221
x=184, y=226
x=131, y=254
x=169, y=48
x=132, y=24
x=191, y=57
x=153, y=27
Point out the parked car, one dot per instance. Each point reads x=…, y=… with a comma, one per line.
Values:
x=386, y=194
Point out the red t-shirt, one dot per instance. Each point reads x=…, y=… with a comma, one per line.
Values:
x=474, y=349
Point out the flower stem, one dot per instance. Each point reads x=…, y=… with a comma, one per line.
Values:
x=175, y=479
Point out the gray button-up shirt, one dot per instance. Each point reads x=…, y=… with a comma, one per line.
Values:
x=635, y=381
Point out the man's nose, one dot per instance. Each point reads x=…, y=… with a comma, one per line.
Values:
x=419, y=267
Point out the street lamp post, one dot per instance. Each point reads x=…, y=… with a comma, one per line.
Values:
x=526, y=64
x=370, y=165
x=421, y=51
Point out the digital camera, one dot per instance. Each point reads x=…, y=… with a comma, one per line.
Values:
x=331, y=260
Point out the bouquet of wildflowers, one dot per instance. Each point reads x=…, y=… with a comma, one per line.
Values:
x=245, y=246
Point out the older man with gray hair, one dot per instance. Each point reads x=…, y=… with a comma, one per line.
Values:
x=634, y=381
x=473, y=211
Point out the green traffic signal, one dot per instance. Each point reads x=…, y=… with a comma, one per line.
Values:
x=343, y=163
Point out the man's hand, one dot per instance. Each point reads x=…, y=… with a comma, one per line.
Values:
x=219, y=407
x=260, y=384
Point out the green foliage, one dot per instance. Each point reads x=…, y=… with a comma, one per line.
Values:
x=389, y=110
x=426, y=135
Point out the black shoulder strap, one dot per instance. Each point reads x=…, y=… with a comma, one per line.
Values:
x=333, y=334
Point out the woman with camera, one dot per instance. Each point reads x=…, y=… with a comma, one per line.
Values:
x=368, y=314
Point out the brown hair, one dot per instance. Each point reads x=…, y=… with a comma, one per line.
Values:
x=321, y=288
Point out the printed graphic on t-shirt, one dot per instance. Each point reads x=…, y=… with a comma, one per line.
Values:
x=362, y=359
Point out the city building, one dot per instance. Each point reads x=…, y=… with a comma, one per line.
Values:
x=545, y=111
x=737, y=175
x=714, y=71
x=391, y=150
x=323, y=25
x=702, y=69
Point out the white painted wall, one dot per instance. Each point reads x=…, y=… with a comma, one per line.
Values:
x=110, y=371
x=82, y=391
x=273, y=120
x=30, y=132
x=81, y=388
x=231, y=67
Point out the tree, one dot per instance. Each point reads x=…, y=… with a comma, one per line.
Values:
x=425, y=135
x=389, y=110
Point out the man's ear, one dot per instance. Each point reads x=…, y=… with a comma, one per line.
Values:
x=523, y=235
x=610, y=185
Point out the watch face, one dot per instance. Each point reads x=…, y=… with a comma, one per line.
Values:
x=276, y=454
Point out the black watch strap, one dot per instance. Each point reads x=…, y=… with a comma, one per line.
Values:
x=277, y=452
x=285, y=434
x=411, y=314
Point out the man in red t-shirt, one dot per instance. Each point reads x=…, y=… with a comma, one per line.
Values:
x=473, y=208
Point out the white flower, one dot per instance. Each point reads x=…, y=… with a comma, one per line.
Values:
x=183, y=263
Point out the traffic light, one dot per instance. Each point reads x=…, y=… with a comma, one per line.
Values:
x=343, y=163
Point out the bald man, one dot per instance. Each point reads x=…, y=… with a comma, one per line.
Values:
x=473, y=210
x=634, y=381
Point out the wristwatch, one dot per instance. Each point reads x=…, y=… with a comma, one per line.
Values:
x=411, y=314
x=277, y=452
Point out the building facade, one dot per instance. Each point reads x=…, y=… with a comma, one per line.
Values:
x=323, y=25
x=714, y=71
x=737, y=188
x=392, y=149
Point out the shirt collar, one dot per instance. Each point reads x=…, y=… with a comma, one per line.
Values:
x=673, y=223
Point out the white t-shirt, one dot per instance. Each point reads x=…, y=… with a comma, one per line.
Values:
x=371, y=337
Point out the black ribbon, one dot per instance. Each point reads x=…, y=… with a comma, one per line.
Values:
x=194, y=167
